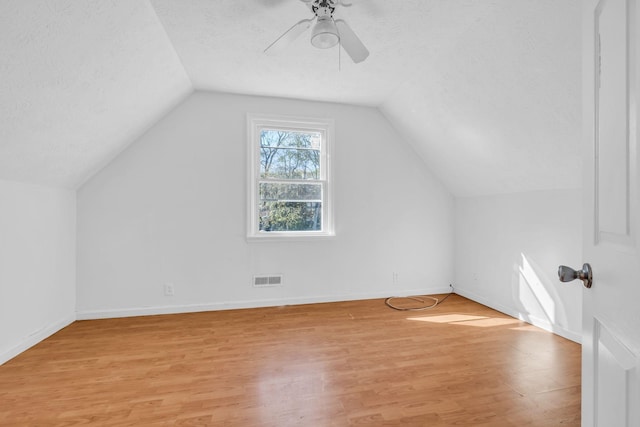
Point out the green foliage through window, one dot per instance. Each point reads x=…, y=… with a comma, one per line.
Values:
x=290, y=216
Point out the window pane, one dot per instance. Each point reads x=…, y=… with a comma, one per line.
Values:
x=290, y=139
x=290, y=216
x=290, y=192
x=290, y=155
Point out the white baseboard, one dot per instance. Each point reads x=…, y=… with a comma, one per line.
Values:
x=35, y=338
x=540, y=323
x=230, y=305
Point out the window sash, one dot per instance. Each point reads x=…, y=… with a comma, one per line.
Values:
x=297, y=129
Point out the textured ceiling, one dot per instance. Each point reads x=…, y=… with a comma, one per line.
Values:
x=496, y=105
x=487, y=91
x=80, y=80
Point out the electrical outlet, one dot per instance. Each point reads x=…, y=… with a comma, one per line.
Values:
x=168, y=290
x=396, y=277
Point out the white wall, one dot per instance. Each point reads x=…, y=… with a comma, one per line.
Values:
x=507, y=252
x=171, y=209
x=37, y=264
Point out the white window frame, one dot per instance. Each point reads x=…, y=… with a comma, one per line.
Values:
x=257, y=122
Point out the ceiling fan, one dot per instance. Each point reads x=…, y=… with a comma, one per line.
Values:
x=326, y=33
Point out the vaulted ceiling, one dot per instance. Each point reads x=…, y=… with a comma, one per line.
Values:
x=486, y=91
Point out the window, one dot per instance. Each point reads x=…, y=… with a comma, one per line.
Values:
x=289, y=177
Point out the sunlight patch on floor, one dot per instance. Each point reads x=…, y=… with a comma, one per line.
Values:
x=467, y=320
x=447, y=318
x=529, y=328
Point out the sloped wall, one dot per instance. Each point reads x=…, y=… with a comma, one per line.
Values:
x=508, y=249
x=171, y=209
x=37, y=264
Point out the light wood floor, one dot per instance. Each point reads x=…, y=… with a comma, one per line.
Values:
x=339, y=364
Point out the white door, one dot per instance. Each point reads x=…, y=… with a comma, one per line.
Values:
x=611, y=308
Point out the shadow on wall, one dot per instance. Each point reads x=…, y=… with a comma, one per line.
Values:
x=536, y=294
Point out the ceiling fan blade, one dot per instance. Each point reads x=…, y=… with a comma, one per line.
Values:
x=290, y=35
x=351, y=43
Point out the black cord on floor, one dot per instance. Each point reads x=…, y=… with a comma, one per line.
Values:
x=436, y=302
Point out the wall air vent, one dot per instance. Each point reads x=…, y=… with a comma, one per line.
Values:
x=267, y=281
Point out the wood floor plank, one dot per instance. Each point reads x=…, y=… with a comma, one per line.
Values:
x=355, y=363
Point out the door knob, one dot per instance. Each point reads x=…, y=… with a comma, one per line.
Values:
x=567, y=274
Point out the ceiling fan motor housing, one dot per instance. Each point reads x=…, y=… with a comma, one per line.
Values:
x=323, y=8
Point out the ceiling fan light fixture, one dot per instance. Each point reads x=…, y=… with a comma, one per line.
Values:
x=325, y=33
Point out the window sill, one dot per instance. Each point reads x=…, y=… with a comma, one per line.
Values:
x=280, y=237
